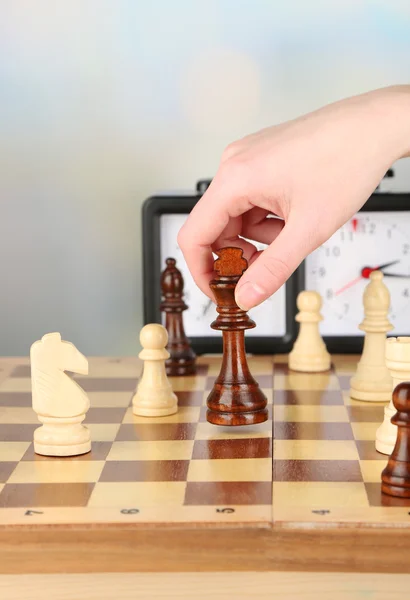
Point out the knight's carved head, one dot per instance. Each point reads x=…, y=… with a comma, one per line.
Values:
x=53, y=351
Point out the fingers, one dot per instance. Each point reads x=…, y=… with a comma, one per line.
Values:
x=273, y=266
x=208, y=221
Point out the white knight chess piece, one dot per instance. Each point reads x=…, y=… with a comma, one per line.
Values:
x=60, y=403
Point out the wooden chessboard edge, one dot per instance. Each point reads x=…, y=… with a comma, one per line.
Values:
x=148, y=550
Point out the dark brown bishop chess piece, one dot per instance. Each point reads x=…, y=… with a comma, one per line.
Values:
x=182, y=357
x=235, y=398
x=396, y=475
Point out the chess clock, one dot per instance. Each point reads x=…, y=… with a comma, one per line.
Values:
x=162, y=218
x=378, y=236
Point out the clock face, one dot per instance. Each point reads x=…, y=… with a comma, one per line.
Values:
x=339, y=270
x=270, y=316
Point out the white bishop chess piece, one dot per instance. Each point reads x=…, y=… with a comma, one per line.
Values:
x=309, y=353
x=398, y=363
x=372, y=381
x=60, y=403
x=154, y=396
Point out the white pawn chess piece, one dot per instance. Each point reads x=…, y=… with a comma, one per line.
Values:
x=154, y=396
x=309, y=353
x=372, y=381
x=398, y=363
x=60, y=403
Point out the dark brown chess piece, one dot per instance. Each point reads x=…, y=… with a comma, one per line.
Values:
x=182, y=357
x=396, y=475
x=236, y=398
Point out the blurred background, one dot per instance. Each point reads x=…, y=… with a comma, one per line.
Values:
x=104, y=103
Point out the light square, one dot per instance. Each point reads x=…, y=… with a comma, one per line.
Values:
x=315, y=450
x=16, y=384
x=57, y=471
x=130, y=495
x=372, y=470
x=18, y=414
x=13, y=451
x=240, y=469
x=306, y=381
x=318, y=495
x=103, y=432
x=158, y=450
x=109, y=399
x=365, y=430
x=185, y=414
x=188, y=384
x=310, y=413
x=107, y=367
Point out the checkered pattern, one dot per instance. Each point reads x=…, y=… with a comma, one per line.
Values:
x=180, y=468
x=143, y=467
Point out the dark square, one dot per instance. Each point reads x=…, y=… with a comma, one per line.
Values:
x=99, y=451
x=33, y=495
x=106, y=384
x=316, y=470
x=105, y=415
x=283, y=430
x=16, y=399
x=344, y=381
x=228, y=493
x=367, y=451
x=201, y=369
x=6, y=469
x=307, y=397
x=12, y=432
x=145, y=470
x=366, y=414
x=21, y=371
x=236, y=448
x=187, y=398
x=145, y=432
x=377, y=498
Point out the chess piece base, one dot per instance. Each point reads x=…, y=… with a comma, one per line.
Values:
x=62, y=437
x=54, y=450
x=236, y=419
x=144, y=411
x=392, y=490
x=370, y=391
x=309, y=364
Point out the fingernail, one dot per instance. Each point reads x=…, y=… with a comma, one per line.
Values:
x=249, y=295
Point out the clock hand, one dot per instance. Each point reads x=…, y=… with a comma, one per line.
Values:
x=348, y=285
x=365, y=274
x=380, y=267
x=395, y=275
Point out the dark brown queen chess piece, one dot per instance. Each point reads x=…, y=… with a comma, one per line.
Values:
x=236, y=398
x=396, y=475
x=182, y=357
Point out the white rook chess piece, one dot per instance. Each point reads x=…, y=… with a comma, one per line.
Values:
x=60, y=403
x=154, y=396
x=372, y=381
x=398, y=363
x=309, y=353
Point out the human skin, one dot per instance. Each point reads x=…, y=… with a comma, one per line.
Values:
x=313, y=173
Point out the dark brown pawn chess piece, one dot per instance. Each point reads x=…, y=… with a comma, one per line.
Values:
x=182, y=359
x=396, y=475
x=236, y=398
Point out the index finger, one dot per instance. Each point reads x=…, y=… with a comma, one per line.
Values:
x=204, y=225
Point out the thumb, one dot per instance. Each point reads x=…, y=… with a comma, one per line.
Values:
x=273, y=266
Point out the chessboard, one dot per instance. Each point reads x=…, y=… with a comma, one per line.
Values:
x=290, y=491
